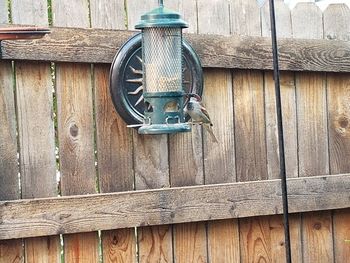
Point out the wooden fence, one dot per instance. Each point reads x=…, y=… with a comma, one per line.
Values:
x=76, y=185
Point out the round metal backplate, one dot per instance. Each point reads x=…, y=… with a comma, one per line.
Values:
x=126, y=78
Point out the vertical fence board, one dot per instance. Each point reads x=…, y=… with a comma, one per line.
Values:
x=151, y=169
x=115, y=165
x=186, y=166
x=219, y=163
x=288, y=96
x=249, y=132
x=336, y=26
x=36, y=130
x=135, y=10
x=10, y=250
x=75, y=129
x=312, y=136
x=114, y=139
x=29, y=12
x=3, y=12
x=284, y=29
x=9, y=188
x=108, y=14
x=256, y=145
x=37, y=147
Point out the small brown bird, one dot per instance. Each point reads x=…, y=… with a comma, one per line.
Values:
x=199, y=114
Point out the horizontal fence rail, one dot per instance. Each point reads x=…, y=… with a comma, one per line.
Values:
x=243, y=52
x=62, y=215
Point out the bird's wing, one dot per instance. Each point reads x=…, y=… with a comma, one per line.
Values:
x=205, y=112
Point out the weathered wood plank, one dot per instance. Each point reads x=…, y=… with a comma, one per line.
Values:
x=115, y=164
x=107, y=14
x=11, y=250
x=29, y=12
x=135, y=10
x=113, y=138
x=75, y=130
x=287, y=85
x=188, y=11
x=3, y=12
x=312, y=135
x=9, y=184
x=336, y=26
x=284, y=29
x=37, y=147
x=186, y=167
x=49, y=216
x=36, y=130
x=100, y=46
x=219, y=158
x=249, y=125
x=250, y=135
x=152, y=171
x=219, y=161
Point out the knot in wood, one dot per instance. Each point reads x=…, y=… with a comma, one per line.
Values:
x=74, y=130
x=317, y=226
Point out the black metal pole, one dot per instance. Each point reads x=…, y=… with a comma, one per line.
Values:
x=283, y=176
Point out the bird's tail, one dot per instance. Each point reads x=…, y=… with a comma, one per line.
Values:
x=211, y=132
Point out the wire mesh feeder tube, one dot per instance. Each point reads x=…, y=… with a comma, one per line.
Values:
x=163, y=69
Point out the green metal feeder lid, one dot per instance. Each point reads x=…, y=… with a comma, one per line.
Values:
x=161, y=17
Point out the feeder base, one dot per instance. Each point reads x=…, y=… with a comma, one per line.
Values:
x=164, y=128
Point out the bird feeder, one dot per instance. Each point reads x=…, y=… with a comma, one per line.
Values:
x=162, y=67
x=152, y=72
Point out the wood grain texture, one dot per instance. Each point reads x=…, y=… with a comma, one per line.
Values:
x=11, y=250
x=108, y=14
x=37, y=147
x=336, y=26
x=219, y=163
x=312, y=135
x=36, y=130
x=3, y=12
x=245, y=18
x=134, y=10
x=284, y=29
x=115, y=164
x=9, y=184
x=283, y=20
x=288, y=97
x=271, y=247
x=249, y=125
x=62, y=215
x=29, y=12
x=76, y=130
x=250, y=135
x=188, y=11
x=152, y=171
x=186, y=166
x=219, y=159
x=113, y=138
x=218, y=51
x=190, y=242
